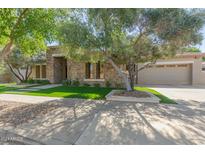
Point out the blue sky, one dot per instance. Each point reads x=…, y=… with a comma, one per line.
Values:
x=202, y=46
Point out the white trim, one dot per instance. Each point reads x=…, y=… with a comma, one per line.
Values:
x=94, y=80
x=174, y=62
x=58, y=55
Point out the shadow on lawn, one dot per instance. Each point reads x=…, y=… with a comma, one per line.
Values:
x=65, y=122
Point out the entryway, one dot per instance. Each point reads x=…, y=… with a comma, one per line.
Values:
x=60, y=69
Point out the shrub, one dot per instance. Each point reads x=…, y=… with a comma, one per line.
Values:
x=75, y=83
x=66, y=82
x=42, y=81
x=96, y=85
x=107, y=84
x=86, y=84
x=118, y=85
x=32, y=81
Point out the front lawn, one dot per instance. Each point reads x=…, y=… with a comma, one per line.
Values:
x=6, y=87
x=71, y=92
x=78, y=92
x=163, y=99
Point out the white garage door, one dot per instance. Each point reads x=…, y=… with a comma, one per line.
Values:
x=180, y=74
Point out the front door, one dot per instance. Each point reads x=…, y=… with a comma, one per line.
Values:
x=60, y=69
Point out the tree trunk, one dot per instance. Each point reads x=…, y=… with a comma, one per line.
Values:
x=131, y=71
x=136, y=73
x=29, y=74
x=6, y=50
x=15, y=74
x=122, y=74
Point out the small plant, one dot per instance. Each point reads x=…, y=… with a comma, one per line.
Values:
x=108, y=84
x=96, y=85
x=66, y=82
x=86, y=85
x=118, y=85
x=42, y=81
x=76, y=83
x=30, y=81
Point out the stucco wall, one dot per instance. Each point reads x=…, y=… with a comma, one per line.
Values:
x=173, y=76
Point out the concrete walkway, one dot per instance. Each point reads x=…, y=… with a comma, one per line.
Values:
x=26, y=99
x=40, y=87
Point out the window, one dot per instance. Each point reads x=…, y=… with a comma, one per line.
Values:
x=43, y=71
x=88, y=70
x=37, y=71
x=93, y=71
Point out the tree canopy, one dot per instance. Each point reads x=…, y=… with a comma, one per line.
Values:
x=27, y=29
x=130, y=36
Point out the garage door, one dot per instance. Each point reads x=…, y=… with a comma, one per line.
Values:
x=179, y=74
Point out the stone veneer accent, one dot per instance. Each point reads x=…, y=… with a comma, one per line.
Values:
x=76, y=70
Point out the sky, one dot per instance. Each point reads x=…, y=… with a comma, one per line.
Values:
x=202, y=46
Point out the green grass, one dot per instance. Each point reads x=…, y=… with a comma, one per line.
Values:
x=163, y=99
x=7, y=87
x=70, y=92
x=78, y=92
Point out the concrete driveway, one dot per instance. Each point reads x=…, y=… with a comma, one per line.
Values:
x=76, y=121
x=146, y=124
x=187, y=93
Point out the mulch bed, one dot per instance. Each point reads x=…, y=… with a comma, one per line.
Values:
x=138, y=94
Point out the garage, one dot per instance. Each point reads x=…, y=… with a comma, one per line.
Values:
x=167, y=74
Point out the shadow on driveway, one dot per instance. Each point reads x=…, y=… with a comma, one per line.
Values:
x=79, y=121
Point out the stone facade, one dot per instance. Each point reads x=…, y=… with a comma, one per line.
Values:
x=58, y=69
x=76, y=70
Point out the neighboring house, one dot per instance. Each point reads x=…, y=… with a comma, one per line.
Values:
x=184, y=69
x=6, y=76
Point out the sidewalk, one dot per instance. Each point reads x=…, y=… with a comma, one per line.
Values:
x=26, y=99
x=39, y=87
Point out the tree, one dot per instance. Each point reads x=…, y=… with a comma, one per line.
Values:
x=192, y=50
x=20, y=63
x=27, y=29
x=130, y=36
